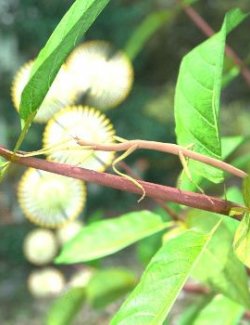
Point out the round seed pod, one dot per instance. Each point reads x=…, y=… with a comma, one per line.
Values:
x=82, y=277
x=68, y=231
x=59, y=95
x=102, y=75
x=85, y=123
x=40, y=246
x=46, y=282
x=50, y=200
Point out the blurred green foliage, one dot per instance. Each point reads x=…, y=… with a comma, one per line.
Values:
x=148, y=112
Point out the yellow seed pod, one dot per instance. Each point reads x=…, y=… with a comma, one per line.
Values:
x=101, y=74
x=50, y=200
x=46, y=282
x=59, y=95
x=68, y=231
x=85, y=123
x=40, y=246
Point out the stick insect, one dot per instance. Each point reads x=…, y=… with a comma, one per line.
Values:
x=129, y=146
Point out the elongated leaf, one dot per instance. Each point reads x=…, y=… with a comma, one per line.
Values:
x=227, y=275
x=108, y=285
x=242, y=240
x=229, y=144
x=220, y=311
x=145, y=30
x=198, y=95
x=217, y=250
x=147, y=247
x=189, y=314
x=246, y=191
x=65, y=308
x=71, y=28
x=232, y=281
x=106, y=237
x=162, y=281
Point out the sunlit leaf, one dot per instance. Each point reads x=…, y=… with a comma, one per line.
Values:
x=218, y=266
x=229, y=144
x=190, y=313
x=65, y=308
x=232, y=281
x=108, y=285
x=241, y=242
x=109, y=236
x=71, y=28
x=218, y=248
x=146, y=248
x=162, y=281
x=198, y=95
x=219, y=311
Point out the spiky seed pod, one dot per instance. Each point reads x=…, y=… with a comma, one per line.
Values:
x=67, y=232
x=59, y=95
x=40, y=246
x=50, y=200
x=102, y=75
x=46, y=282
x=85, y=123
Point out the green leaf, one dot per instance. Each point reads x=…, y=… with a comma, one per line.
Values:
x=234, y=194
x=220, y=311
x=198, y=95
x=147, y=247
x=217, y=250
x=71, y=28
x=232, y=281
x=189, y=2
x=228, y=146
x=241, y=242
x=188, y=315
x=146, y=29
x=230, y=75
x=246, y=191
x=108, y=285
x=162, y=281
x=109, y=236
x=65, y=308
x=227, y=276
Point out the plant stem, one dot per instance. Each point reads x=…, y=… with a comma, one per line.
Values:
x=155, y=191
x=161, y=203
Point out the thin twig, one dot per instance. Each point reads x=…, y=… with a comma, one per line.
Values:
x=208, y=31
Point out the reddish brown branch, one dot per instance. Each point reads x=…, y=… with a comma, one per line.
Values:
x=195, y=288
x=161, y=203
x=208, y=31
x=152, y=190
